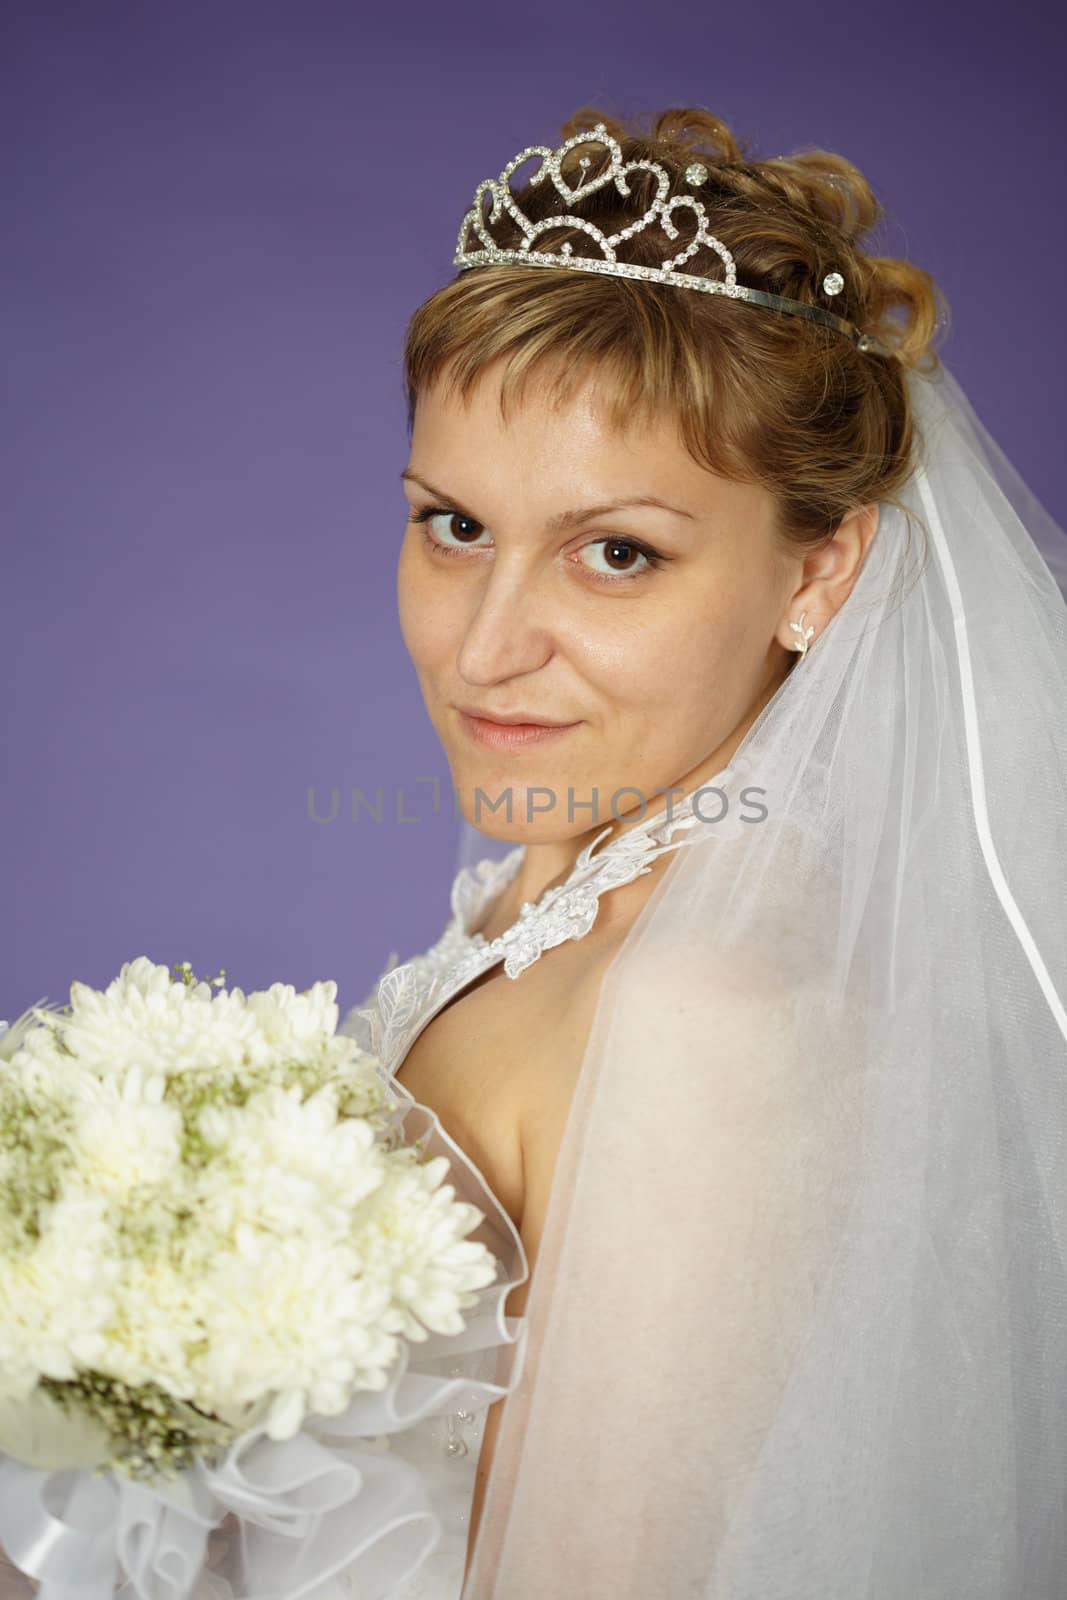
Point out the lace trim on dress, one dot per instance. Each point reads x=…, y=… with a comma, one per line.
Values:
x=407, y=996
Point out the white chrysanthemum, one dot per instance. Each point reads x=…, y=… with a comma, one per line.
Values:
x=415, y=1224
x=37, y=1048
x=144, y=1017
x=296, y=1320
x=13, y=1035
x=155, y=1327
x=303, y=1027
x=41, y=1086
x=57, y=1293
x=48, y=1078
x=296, y=1023
x=286, y=1165
x=127, y=1139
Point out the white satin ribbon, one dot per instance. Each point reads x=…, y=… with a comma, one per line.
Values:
x=327, y=1515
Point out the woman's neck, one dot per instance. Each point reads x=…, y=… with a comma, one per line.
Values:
x=550, y=862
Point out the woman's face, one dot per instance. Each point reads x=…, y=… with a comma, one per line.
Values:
x=533, y=585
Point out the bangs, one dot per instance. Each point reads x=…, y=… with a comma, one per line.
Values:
x=641, y=347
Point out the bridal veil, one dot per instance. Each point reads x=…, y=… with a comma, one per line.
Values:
x=798, y=1325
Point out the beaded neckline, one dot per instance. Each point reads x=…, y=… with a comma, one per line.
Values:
x=571, y=905
x=408, y=996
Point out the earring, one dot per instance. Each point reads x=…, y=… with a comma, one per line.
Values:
x=803, y=634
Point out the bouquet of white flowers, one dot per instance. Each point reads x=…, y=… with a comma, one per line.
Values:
x=213, y=1246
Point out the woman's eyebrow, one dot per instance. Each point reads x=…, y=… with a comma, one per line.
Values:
x=567, y=519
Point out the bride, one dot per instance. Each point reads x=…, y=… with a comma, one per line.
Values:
x=738, y=629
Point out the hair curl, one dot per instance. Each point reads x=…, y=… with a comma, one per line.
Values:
x=760, y=397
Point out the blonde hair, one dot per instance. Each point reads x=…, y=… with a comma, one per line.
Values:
x=760, y=397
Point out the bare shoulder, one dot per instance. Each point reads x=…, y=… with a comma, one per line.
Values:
x=545, y=1092
x=547, y=1036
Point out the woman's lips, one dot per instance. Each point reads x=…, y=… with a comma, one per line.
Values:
x=511, y=735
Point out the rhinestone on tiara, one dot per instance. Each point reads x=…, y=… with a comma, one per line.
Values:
x=476, y=246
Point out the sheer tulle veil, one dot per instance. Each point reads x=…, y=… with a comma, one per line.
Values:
x=798, y=1324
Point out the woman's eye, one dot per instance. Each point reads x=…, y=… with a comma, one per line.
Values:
x=619, y=557
x=445, y=526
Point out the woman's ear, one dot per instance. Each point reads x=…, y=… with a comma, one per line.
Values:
x=828, y=574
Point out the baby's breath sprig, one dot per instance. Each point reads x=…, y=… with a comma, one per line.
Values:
x=154, y=1434
x=183, y=973
x=34, y=1140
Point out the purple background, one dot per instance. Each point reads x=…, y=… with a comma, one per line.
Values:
x=218, y=218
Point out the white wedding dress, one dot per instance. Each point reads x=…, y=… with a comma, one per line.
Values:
x=403, y=1002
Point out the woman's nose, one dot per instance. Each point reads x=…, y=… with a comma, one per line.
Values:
x=507, y=631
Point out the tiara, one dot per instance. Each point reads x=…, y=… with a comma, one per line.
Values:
x=486, y=252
